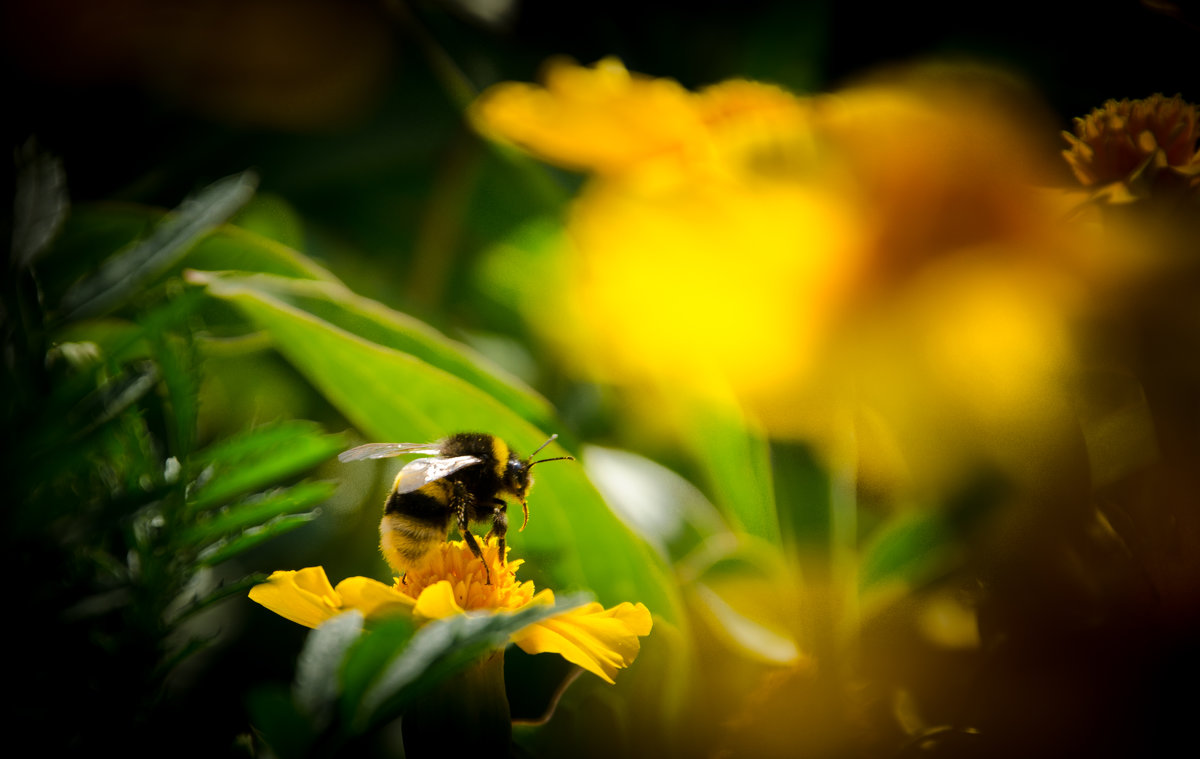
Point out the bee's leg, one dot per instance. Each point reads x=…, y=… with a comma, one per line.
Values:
x=474, y=546
x=500, y=526
x=461, y=499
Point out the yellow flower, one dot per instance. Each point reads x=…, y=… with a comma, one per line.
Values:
x=452, y=581
x=880, y=255
x=1127, y=140
x=606, y=120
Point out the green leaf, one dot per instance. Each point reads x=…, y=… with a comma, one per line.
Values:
x=339, y=307
x=908, y=550
x=364, y=662
x=803, y=490
x=112, y=398
x=736, y=462
x=176, y=361
x=257, y=510
x=392, y=396
x=438, y=650
x=128, y=272
x=224, y=550
x=259, y=458
x=232, y=247
x=317, y=679
x=272, y=217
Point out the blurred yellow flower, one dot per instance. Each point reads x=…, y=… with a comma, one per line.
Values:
x=1131, y=141
x=452, y=581
x=881, y=254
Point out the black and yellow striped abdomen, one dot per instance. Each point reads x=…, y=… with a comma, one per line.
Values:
x=414, y=523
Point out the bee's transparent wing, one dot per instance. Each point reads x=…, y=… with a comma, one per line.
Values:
x=386, y=450
x=423, y=471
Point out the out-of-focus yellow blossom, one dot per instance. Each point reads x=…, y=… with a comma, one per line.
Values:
x=453, y=581
x=881, y=254
x=606, y=120
x=1128, y=145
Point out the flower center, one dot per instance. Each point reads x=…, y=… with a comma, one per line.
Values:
x=454, y=562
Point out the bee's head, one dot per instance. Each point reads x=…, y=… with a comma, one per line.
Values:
x=517, y=479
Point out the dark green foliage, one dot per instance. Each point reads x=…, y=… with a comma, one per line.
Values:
x=114, y=516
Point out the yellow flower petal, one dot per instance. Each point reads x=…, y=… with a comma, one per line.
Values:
x=304, y=596
x=437, y=601
x=599, y=640
x=371, y=597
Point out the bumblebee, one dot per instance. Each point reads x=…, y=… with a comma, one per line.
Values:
x=462, y=483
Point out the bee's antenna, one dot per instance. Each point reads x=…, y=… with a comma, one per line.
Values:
x=556, y=458
x=542, y=461
x=549, y=440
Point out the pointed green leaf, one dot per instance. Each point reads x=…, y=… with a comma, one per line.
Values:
x=226, y=549
x=126, y=273
x=258, y=509
x=336, y=305
x=232, y=247
x=260, y=458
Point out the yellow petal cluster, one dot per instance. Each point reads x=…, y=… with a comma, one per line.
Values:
x=882, y=252
x=453, y=581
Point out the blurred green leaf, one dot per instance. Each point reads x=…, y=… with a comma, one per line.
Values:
x=258, y=509
x=318, y=677
x=126, y=273
x=94, y=231
x=394, y=396
x=370, y=654
x=223, y=550
x=272, y=217
x=736, y=463
x=514, y=270
x=109, y=400
x=176, y=361
x=908, y=550
x=438, y=650
x=259, y=458
x=803, y=491
x=234, y=248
